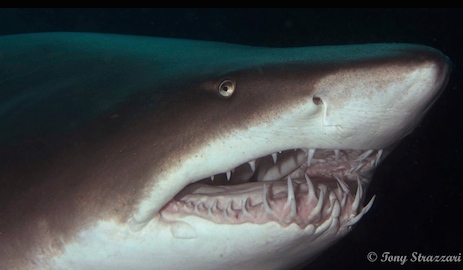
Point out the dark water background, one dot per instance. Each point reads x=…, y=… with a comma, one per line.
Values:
x=419, y=187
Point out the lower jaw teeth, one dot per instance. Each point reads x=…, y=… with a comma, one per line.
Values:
x=301, y=202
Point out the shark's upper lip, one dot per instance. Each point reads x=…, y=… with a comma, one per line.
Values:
x=327, y=184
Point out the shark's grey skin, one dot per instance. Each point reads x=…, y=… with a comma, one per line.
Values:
x=100, y=134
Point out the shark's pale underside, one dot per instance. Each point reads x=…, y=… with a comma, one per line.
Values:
x=124, y=152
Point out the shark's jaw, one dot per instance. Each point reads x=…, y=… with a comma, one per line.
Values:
x=320, y=189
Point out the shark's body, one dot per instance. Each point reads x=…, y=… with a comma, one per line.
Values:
x=100, y=134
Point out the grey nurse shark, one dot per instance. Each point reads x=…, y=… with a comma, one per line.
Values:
x=127, y=152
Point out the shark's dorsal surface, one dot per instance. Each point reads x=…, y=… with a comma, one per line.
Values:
x=125, y=152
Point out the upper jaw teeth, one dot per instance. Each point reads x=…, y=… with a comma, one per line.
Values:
x=252, y=165
x=310, y=156
x=336, y=162
x=274, y=157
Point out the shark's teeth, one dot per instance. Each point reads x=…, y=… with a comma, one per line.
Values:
x=290, y=190
x=225, y=211
x=252, y=164
x=316, y=212
x=265, y=199
x=215, y=207
x=344, y=186
x=310, y=189
x=344, y=199
x=324, y=200
x=378, y=157
x=244, y=206
x=274, y=157
x=331, y=199
x=355, y=169
x=348, y=164
x=290, y=202
x=336, y=209
x=364, y=210
x=310, y=154
x=323, y=227
x=358, y=196
x=364, y=155
x=209, y=209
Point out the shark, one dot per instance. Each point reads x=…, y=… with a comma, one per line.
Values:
x=132, y=152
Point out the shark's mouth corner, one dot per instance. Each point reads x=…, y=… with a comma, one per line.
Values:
x=307, y=187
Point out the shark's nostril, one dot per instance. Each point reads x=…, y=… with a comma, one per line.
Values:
x=317, y=100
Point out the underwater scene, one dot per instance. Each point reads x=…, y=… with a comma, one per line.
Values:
x=230, y=138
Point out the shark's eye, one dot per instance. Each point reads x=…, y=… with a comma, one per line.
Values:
x=226, y=88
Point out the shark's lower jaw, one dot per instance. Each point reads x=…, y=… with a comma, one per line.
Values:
x=307, y=187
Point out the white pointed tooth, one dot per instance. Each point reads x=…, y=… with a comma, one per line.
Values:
x=227, y=210
x=267, y=208
x=358, y=196
x=309, y=230
x=364, y=155
x=331, y=199
x=318, y=208
x=229, y=207
x=336, y=209
x=291, y=202
x=290, y=190
x=323, y=227
x=335, y=225
x=378, y=157
x=244, y=205
x=365, y=209
x=274, y=156
x=228, y=175
x=212, y=178
x=310, y=189
x=310, y=156
x=343, y=184
x=358, y=167
x=292, y=213
x=336, y=154
x=252, y=164
x=344, y=200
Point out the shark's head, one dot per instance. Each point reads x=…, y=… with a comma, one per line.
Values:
x=239, y=158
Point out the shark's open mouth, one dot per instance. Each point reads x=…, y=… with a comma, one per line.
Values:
x=303, y=186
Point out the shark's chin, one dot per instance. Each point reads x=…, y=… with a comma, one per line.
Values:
x=311, y=188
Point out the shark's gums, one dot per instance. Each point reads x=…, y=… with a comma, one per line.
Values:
x=125, y=152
